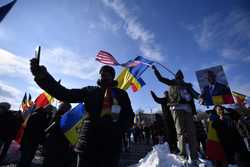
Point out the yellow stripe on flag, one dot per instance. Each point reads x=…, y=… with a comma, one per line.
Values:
x=49, y=97
x=217, y=100
x=212, y=134
x=124, y=79
x=73, y=134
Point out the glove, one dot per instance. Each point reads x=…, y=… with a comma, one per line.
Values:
x=34, y=66
x=154, y=68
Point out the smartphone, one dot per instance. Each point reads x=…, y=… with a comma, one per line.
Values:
x=37, y=54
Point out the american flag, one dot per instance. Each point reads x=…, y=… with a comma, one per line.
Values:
x=106, y=58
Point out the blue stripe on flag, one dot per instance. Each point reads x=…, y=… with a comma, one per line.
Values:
x=140, y=68
x=70, y=118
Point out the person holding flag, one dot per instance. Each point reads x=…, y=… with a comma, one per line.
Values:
x=181, y=103
x=58, y=150
x=100, y=136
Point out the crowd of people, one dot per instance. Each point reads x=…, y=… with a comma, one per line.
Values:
x=221, y=135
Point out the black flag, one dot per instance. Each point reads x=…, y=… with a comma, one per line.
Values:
x=5, y=9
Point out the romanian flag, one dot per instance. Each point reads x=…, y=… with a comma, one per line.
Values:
x=71, y=122
x=43, y=100
x=131, y=76
x=30, y=102
x=239, y=98
x=222, y=99
x=23, y=106
x=137, y=84
x=214, y=149
x=5, y=9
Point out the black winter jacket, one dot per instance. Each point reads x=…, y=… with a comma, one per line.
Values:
x=97, y=133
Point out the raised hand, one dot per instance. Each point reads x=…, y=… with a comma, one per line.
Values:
x=154, y=68
x=152, y=93
x=34, y=66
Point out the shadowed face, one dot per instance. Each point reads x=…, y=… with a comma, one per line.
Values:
x=107, y=75
x=219, y=110
x=107, y=78
x=211, y=77
x=179, y=75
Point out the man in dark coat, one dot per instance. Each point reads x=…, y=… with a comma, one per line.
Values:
x=169, y=122
x=100, y=136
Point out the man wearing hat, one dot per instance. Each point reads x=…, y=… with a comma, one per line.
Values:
x=100, y=136
x=181, y=103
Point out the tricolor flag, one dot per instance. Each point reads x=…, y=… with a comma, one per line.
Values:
x=214, y=149
x=43, y=100
x=30, y=102
x=71, y=122
x=23, y=106
x=106, y=58
x=5, y=9
x=239, y=98
x=137, y=84
x=132, y=76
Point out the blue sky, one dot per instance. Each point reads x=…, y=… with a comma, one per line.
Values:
x=188, y=35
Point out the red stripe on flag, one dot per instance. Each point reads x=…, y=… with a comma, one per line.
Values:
x=106, y=58
x=42, y=100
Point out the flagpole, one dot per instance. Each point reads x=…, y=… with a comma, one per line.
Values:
x=166, y=68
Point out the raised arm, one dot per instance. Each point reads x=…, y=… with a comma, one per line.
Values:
x=55, y=89
x=158, y=99
x=161, y=78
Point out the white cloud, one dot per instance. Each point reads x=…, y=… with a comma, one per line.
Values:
x=65, y=61
x=229, y=34
x=243, y=88
x=60, y=60
x=13, y=65
x=10, y=94
x=108, y=24
x=34, y=90
x=135, y=30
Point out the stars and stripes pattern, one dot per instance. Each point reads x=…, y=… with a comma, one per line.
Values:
x=106, y=58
